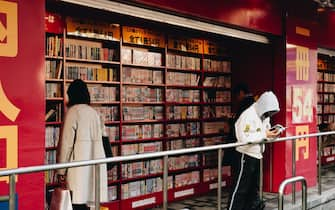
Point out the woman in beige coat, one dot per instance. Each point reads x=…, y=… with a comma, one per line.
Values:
x=82, y=140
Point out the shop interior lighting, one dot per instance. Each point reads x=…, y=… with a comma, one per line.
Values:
x=330, y=4
x=158, y=16
x=290, y=46
x=326, y=51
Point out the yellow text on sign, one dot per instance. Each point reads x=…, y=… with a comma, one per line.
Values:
x=9, y=29
x=9, y=132
x=302, y=63
x=143, y=36
x=302, y=144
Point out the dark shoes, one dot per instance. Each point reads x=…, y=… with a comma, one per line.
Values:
x=259, y=205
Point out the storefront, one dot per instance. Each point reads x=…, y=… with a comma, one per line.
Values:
x=189, y=57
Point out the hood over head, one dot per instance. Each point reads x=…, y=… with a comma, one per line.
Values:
x=267, y=102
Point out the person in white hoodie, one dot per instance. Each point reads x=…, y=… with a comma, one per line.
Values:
x=252, y=125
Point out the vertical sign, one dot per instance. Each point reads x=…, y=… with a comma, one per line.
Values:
x=301, y=108
x=21, y=112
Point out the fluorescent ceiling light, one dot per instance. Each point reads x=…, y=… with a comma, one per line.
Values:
x=289, y=46
x=326, y=51
x=147, y=14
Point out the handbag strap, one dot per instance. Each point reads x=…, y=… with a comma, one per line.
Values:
x=72, y=151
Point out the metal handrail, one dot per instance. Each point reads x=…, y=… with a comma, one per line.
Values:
x=39, y=168
x=282, y=188
x=13, y=172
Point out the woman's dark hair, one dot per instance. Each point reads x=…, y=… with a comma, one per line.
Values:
x=78, y=93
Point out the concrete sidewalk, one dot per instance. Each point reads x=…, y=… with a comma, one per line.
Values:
x=325, y=201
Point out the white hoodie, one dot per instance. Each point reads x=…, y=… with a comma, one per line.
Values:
x=250, y=128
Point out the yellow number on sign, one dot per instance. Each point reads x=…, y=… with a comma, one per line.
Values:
x=302, y=101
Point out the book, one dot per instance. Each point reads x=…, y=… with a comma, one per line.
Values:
x=50, y=115
x=126, y=55
x=140, y=57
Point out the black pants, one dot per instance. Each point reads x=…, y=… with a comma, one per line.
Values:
x=79, y=207
x=245, y=190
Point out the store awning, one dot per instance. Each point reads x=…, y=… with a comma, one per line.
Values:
x=135, y=11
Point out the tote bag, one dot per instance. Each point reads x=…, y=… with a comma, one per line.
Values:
x=61, y=199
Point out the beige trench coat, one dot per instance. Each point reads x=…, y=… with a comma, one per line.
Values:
x=82, y=124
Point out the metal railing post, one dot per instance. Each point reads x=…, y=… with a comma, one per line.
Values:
x=320, y=139
x=97, y=186
x=165, y=182
x=261, y=176
x=293, y=169
x=219, y=178
x=271, y=167
x=12, y=192
x=292, y=180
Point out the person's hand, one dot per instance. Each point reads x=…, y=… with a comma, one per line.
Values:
x=61, y=180
x=271, y=134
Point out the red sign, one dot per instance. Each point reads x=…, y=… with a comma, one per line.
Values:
x=22, y=97
x=301, y=104
x=53, y=23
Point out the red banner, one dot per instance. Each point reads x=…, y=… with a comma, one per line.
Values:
x=22, y=97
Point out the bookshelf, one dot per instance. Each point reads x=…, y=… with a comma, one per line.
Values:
x=326, y=103
x=54, y=105
x=155, y=92
x=216, y=96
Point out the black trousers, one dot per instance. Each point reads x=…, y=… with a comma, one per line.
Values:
x=245, y=190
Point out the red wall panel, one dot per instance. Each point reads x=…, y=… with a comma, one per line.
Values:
x=300, y=104
x=258, y=15
x=22, y=80
x=279, y=84
x=250, y=59
x=326, y=30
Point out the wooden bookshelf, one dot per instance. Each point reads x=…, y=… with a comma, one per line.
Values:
x=153, y=96
x=326, y=103
x=54, y=110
